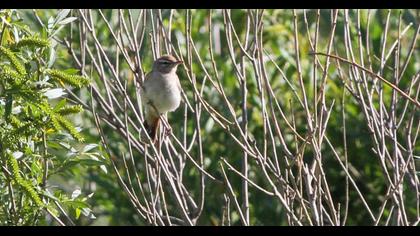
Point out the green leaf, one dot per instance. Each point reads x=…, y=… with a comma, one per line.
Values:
x=54, y=93
x=52, y=57
x=89, y=147
x=5, y=36
x=75, y=204
x=44, y=33
x=76, y=193
x=72, y=71
x=104, y=169
x=35, y=169
x=77, y=212
x=17, y=155
x=50, y=24
x=87, y=211
x=67, y=20
x=60, y=104
x=57, y=30
x=61, y=15
x=89, y=162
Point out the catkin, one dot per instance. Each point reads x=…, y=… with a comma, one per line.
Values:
x=73, y=80
x=27, y=187
x=32, y=42
x=13, y=60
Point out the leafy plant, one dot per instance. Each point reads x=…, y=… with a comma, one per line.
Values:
x=290, y=113
x=34, y=117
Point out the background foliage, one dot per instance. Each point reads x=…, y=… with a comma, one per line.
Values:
x=255, y=72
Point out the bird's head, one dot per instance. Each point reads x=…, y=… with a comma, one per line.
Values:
x=166, y=64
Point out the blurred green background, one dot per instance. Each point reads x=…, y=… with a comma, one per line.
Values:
x=110, y=204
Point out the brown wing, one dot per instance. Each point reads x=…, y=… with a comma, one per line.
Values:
x=142, y=87
x=151, y=122
x=152, y=128
x=147, y=77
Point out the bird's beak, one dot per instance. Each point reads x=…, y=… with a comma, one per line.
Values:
x=179, y=62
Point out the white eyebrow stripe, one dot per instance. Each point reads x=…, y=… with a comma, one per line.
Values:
x=165, y=60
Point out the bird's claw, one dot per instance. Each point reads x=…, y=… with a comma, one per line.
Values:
x=168, y=131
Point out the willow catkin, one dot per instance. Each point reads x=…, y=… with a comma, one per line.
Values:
x=73, y=80
x=25, y=185
x=13, y=60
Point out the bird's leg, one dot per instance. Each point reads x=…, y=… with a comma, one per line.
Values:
x=166, y=125
x=168, y=131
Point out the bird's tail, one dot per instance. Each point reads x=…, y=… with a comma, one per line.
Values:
x=152, y=126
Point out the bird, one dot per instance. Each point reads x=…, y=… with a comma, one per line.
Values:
x=160, y=93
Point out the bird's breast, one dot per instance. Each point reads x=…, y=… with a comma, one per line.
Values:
x=164, y=93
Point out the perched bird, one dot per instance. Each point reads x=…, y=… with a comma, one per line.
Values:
x=161, y=92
